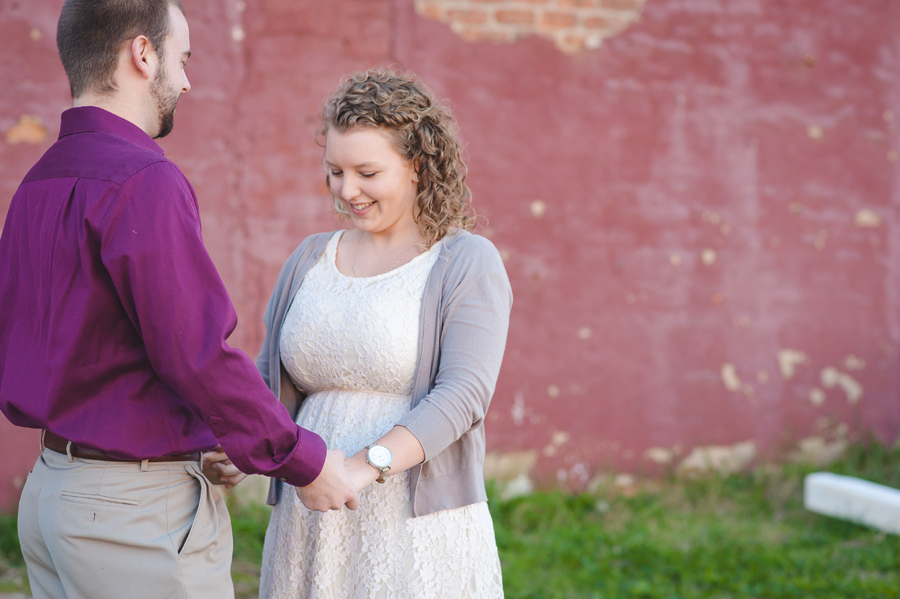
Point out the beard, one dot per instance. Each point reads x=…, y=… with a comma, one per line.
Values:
x=165, y=98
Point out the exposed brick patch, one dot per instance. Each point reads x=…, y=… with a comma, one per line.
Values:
x=578, y=3
x=519, y=17
x=573, y=25
x=552, y=21
x=468, y=17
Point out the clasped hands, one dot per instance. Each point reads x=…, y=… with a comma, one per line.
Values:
x=337, y=485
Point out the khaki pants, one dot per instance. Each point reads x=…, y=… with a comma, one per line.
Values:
x=114, y=530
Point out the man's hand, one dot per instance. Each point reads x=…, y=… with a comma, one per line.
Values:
x=219, y=469
x=332, y=489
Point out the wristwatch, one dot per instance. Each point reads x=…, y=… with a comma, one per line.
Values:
x=380, y=458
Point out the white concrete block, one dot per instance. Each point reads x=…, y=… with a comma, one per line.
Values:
x=853, y=499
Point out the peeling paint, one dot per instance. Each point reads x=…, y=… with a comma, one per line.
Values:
x=818, y=451
x=506, y=466
x=788, y=360
x=852, y=362
x=518, y=409
x=29, y=130
x=517, y=487
x=730, y=377
x=816, y=396
x=867, y=218
x=560, y=438
x=624, y=480
x=512, y=471
x=723, y=459
x=712, y=218
x=832, y=377
x=660, y=455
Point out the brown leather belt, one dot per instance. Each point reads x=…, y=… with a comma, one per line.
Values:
x=66, y=447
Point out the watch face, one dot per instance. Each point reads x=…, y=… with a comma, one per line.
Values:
x=379, y=456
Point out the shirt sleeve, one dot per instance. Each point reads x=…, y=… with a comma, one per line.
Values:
x=473, y=340
x=152, y=247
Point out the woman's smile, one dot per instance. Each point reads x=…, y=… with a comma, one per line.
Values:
x=374, y=183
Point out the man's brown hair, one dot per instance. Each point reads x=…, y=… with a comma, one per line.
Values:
x=91, y=33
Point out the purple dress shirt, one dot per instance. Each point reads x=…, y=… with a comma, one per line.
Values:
x=113, y=319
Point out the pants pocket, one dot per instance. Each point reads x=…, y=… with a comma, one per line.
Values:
x=100, y=500
x=204, y=527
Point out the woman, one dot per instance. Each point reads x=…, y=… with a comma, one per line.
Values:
x=389, y=338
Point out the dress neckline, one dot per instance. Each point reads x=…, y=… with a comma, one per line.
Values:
x=331, y=259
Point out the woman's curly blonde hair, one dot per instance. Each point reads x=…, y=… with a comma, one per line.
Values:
x=423, y=133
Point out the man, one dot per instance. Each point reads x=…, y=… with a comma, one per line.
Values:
x=112, y=337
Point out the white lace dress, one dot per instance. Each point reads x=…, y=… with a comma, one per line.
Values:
x=352, y=344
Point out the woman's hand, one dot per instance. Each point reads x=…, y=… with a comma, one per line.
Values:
x=219, y=469
x=405, y=449
x=361, y=473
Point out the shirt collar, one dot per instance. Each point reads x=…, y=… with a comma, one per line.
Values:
x=87, y=119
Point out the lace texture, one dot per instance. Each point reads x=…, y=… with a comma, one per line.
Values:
x=352, y=344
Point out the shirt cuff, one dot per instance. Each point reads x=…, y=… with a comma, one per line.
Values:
x=306, y=461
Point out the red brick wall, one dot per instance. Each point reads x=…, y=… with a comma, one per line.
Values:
x=573, y=25
x=699, y=217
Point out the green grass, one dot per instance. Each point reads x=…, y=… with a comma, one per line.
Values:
x=744, y=536
x=12, y=567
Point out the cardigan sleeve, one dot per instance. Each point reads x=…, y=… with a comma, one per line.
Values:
x=297, y=264
x=475, y=320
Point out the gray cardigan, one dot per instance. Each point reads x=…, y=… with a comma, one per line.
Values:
x=462, y=334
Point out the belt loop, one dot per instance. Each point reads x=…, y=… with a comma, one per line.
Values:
x=69, y=451
x=43, y=432
x=201, y=461
x=145, y=465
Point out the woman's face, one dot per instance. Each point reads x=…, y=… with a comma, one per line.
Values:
x=376, y=185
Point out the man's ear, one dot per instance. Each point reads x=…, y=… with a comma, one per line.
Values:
x=143, y=56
